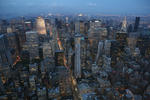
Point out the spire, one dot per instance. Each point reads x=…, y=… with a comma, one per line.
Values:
x=124, y=25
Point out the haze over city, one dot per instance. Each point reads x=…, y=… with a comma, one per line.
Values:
x=112, y=7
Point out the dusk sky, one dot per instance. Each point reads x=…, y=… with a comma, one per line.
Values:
x=21, y=7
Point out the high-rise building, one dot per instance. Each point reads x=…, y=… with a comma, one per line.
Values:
x=77, y=70
x=77, y=27
x=121, y=37
x=47, y=50
x=21, y=39
x=40, y=26
x=80, y=27
x=58, y=23
x=32, y=44
x=47, y=65
x=111, y=50
x=124, y=25
x=136, y=25
x=95, y=24
x=107, y=45
x=59, y=58
x=143, y=43
x=107, y=63
x=9, y=29
x=130, y=28
x=28, y=25
x=96, y=30
x=5, y=56
x=100, y=50
x=132, y=40
x=96, y=34
x=114, y=51
x=4, y=24
x=131, y=43
x=64, y=81
x=87, y=26
x=13, y=43
x=67, y=19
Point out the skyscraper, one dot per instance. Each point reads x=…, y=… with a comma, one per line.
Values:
x=124, y=25
x=121, y=37
x=107, y=45
x=95, y=23
x=5, y=56
x=136, y=25
x=32, y=44
x=77, y=70
x=130, y=28
x=47, y=50
x=59, y=58
x=13, y=43
x=80, y=27
x=100, y=49
x=132, y=40
x=40, y=26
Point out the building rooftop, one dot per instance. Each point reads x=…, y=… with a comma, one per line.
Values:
x=30, y=32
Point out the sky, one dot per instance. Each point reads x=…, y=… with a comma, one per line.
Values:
x=22, y=7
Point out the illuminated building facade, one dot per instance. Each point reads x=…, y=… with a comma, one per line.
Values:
x=40, y=26
x=9, y=30
x=124, y=25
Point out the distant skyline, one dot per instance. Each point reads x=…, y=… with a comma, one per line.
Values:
x=119, y=7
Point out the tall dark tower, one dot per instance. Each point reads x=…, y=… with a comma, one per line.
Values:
x=130, y=28
x=136, y=25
